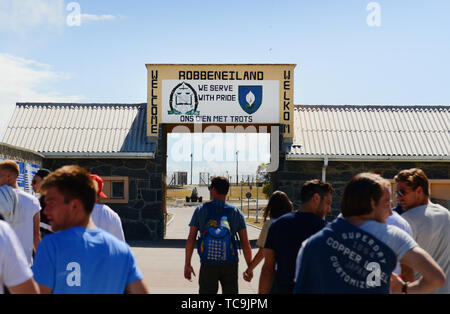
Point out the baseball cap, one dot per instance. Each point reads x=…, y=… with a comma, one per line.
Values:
x=99, y=184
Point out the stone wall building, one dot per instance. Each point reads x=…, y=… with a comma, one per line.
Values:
x=8, y=151
x=331, y=142
x=107, y=139
x=29, y=162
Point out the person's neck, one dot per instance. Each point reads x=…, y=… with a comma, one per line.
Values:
x=424, y=201
x=219, y=198
x=307, y=208
x=85, y=222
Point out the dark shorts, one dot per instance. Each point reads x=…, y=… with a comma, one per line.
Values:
x=211, y=275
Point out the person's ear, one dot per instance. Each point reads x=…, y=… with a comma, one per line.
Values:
x=75, y=204
x=372, y=204
x=316, y=197
x=419, y=190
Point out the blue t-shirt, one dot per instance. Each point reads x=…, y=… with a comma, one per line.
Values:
x=79, y=260
x=285, y=237
x=343, y=258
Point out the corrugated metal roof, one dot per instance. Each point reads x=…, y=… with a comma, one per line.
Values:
x=79, y=128
x=371, y=131
x=319, y=130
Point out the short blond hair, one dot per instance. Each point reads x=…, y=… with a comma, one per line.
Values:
x=11, y=166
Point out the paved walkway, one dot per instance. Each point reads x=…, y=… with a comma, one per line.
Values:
x=162, y=263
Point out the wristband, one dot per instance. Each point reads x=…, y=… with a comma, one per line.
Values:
x=405, y=288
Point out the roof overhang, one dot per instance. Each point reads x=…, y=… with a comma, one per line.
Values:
x=22, y=149
x=127, y=155
x=368, y=158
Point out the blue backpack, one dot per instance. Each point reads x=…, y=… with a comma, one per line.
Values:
x=216, y=244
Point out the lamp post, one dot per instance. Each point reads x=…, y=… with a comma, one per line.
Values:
x=237, y=168
x=191, y=168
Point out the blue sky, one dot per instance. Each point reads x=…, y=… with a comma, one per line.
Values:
x=340, y=58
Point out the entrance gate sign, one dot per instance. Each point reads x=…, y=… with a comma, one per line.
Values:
x=220, y=102
x=227, y=94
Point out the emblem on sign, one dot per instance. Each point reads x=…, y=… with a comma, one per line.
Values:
x=250, y=98
x=183, y=100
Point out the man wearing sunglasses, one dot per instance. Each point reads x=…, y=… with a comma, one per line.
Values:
x=430, y=223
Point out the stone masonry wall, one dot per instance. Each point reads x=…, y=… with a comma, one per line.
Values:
x=9, y=152
x=142, y=217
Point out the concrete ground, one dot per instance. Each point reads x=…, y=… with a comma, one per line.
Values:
x=162, y=262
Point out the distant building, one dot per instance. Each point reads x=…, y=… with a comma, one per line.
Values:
x=178, y=178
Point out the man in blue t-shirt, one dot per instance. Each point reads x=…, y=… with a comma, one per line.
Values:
x=78, y=257
x=287, y=233
x=225, y=273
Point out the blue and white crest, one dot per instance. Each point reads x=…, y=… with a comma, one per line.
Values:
x=250, y=97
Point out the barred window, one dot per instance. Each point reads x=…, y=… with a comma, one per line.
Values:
x=116, y=188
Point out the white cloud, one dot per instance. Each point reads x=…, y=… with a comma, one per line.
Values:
x=22, y=80
x=96, y=18
x=23, y=15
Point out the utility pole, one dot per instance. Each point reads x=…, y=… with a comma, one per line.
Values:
x=257, y=209
x=237, y=168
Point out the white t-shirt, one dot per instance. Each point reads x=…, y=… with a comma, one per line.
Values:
x=395, y=238
x=430, y=225
x=396, y=220
x=29, y=206
x=14, y=267
x=107, y=219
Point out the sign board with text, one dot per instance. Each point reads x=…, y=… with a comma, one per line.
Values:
x=220, y=94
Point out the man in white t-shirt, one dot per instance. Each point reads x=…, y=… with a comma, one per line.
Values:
x=27, y=228
x=430, y=223
x=103, y=216
x=15, y=273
